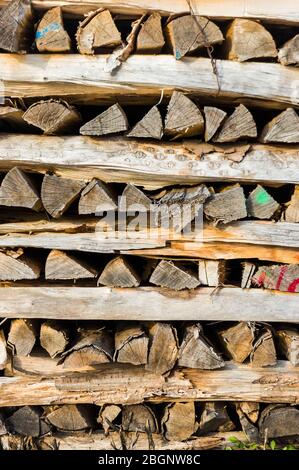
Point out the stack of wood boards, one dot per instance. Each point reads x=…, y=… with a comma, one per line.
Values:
x=149, y=224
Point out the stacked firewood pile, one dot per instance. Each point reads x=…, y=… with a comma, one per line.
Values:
x=149, y=225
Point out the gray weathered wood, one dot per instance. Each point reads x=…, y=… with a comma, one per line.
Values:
x=173, y=276
x=16, y=26
x=284, y=128
x=260, y=204
x=59, y=193
x=178, y=421
x=61, y=265
x=289, y=53
x=53, y=116
x=18, y=190
x=239, y=125
x=227, y=206
x=119, y=273
x=183, y=118
x=150, y=126
x=111, y=121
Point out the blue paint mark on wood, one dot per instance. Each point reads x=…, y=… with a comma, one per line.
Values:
x=47, y=29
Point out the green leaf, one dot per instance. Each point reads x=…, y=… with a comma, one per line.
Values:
x=233, y=439
x=273, y=445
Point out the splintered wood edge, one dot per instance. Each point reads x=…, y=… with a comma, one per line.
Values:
x=148, y=304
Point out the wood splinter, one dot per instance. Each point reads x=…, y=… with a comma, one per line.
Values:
x=247, y=40
x=18, y=190
x=119, y=273
x=183, y=118
x=111, y=121
x=131, y=345
x=197, y=352
x=97, y=31
x=61, y=265
x=149, y=127
x=150, y=38
x=167, y=274
x=189, y=33
x=50, y=35
x=59, y=193
x=16, y=26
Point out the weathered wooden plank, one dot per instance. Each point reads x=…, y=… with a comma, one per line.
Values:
x=43, y=75
x=133, y=441
x=154, y=165
x=148, y=303
x=266, y=10
x=116, y=384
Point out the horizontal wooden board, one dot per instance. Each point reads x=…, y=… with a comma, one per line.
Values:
x=265, y=10
x=148, y=303
x=149, y=164
x=121, y=385
x=42, y=75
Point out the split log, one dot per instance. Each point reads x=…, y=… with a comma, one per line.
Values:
x=289, y=53
x=248, y=270
x=22, y=336
x=133, y=199
x=27, y=422
x=263, y=353
x=18, y=190
x=96, y=198
x=247, y=39
x=250, y=430
x=61, y=265
x=167, y=274
x=97, y=31
x=183, y=118
x=50, y=35
x=214, y=418
x=107, y=416
x=189, y=33
x=239, y=125
x=3, y=352
x=260, y=204
x=178, y=207
x=3, y=428
x=238, y=340
x=279, y=421
x=292, y=212
x=284, y=128
x=150, y=38
x=54, y=338
x=94, y=346
x=16, y=26
x=70, y=417
x=288, y=340
x=119, y=273
x=111, y=121
x=178, y=421
x=149, y=127
x=226, y=206
x=53, y=116
x=214, y=117
x=279, y=277
x=59, y=193
x=16, y=266
x=212, y=272
x=251, y=409
x=163, y=348
x=197, y=352
x=139, y=418
x=13, y=116
x=131, y=345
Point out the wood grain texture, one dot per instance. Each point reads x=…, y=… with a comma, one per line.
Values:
x=147, y=303
x=152, y=166
x=266, y=10
x=117, y=384
x=62, y=75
